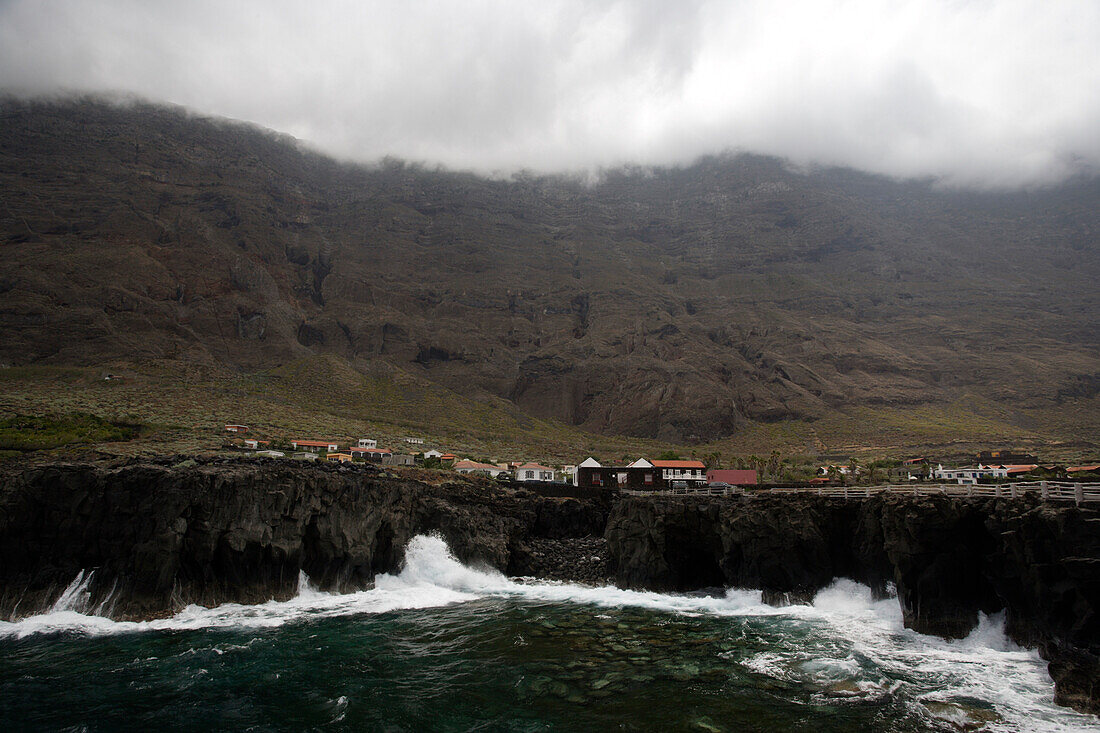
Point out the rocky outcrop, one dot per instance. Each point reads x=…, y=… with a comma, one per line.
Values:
x=161, y=534
x=949, y=559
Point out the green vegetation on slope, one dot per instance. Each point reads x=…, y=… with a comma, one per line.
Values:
x=39, y=432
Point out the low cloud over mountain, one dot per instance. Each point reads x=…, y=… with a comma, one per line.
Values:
x=985, y=94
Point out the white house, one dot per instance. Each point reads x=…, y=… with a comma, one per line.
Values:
x=968, y=475
x=315, y=446
x=414, y=441
x=367, y=443
x=534, y=472
x=472, y=466
x=433, y=453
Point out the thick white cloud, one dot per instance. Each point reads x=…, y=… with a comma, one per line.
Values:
x=973, y=92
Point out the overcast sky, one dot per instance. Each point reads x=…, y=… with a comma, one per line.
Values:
x=974, y=92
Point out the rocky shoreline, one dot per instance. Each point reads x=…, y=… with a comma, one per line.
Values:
x=163, y=533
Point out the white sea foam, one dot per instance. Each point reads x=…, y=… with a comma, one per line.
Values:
x=864, y=642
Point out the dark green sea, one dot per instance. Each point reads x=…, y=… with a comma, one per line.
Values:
x=443, y=647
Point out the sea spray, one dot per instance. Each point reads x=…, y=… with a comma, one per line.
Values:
x=446, y=635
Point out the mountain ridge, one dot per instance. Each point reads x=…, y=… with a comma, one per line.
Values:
x=679, y=304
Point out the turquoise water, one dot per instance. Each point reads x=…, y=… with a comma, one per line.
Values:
x=445, y=647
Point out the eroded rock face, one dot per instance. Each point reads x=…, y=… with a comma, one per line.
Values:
x=949, y=558
x=161, y=534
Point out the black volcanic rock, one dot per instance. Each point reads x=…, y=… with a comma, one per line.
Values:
x=949, y=558
x=160, y=534
x=674, y=303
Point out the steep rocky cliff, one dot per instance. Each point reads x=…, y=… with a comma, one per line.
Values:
x=949, y=559
x=161, y=534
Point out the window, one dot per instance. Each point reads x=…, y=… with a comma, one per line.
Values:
x=528, y=474
x=648, y=479
x=596, y=480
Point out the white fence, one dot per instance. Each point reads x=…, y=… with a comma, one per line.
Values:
x=1048, y=490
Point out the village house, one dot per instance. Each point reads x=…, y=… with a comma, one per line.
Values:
x=339, y=457
x=731, y=476
x=372, y=455
x=233, y=428
x=433, y=453
x=414, y=441
x=315, y=446
x=465, y=466
x=640, y=475
x=272, y=454
x=534, y=472
x=448, y=457
x=399, y=459
x=911, y=469
x=969, y=475
x=690, y=472
x=254, y=444
x=367, y=443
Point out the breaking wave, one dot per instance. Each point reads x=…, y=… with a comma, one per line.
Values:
x=874, y=654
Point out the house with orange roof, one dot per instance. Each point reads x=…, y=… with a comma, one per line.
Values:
x=339, y=457
x=465, y=466
x=373, y=455
x=534, y=472
x=690, y=472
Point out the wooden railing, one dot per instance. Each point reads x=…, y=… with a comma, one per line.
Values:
x=1079, y=493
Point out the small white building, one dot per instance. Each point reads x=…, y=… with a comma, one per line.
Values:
x=968, y=475
x=534, y=472
x=315, y=446
x=433, y=453
x=275, y=454
x=367, y=443
x=414, y=441
x=465, y=466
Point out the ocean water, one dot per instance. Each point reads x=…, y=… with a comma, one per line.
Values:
x=442, y=646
